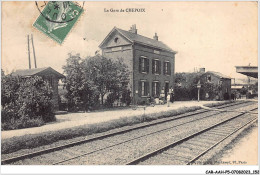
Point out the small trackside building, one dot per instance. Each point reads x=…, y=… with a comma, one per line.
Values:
x=48, y=74
x=221, y=83
x=151, y=63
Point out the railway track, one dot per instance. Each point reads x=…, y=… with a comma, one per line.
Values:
x=154, y=123
x=189, y=149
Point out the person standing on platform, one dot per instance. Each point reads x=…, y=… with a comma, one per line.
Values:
x=168, y=99
x=171, y=94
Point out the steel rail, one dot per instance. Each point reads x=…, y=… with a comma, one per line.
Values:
x=157, y=151
x=151, y=133
x=221, y=140
x=100, y=149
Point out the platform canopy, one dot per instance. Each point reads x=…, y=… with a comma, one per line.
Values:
x=251, y=71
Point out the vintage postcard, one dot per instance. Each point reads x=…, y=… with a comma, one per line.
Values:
x=129, y=83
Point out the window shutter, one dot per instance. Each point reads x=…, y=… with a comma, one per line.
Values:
x=169, y=68
x=164, y=65
x=140, y=64
x=139, y=88
x=153, y=89
x=158, y=90
x=153, y=66
x=147, y=65
x=159, y=67
x=146, y=88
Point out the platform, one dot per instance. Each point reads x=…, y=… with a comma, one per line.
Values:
x=251, y=71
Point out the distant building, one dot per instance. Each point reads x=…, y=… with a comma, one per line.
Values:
x=47, y=73
x=221, y=82
x=150, y=61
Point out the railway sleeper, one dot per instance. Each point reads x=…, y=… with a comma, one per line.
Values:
x=181, y=151
x=191, y=146
x=196, y=144
x=204, y=140
x=183, y=157
x=229, y=129
x=206, y=136
x=164, y=160
x=207, y=139
x=218, y=132
x=212, y=135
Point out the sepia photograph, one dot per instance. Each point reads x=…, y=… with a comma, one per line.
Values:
x=130, y=83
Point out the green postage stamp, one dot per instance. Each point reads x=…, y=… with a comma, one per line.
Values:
x=57, y=18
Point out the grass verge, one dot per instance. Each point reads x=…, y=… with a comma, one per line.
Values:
x=219, y=103
x=35, y=140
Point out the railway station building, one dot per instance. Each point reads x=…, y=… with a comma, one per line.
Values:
x=151, y=62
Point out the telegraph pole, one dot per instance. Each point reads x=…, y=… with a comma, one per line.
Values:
x=34, y=52
x=29, y=51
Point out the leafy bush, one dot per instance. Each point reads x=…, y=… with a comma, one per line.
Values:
x=211, y=89
x=126, y=97
x=26, y=102
x=111, y=98
x=186, y=86
x=181, y=94
x=141, y=102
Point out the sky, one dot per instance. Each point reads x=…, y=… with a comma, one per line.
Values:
x=214, y=35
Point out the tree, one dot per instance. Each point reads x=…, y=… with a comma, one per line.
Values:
x=107, y=76
x=9, y=88
x=74, y=81
x=243, y=90
x=254, y=87
x=122, y=81
x=93, y=77
x=79, y=89
x=2, y=73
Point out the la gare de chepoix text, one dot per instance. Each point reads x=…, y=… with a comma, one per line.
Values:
x=125, y=10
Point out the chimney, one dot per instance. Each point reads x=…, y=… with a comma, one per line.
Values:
x=202, y=70
x=133, y=29
x=155, y=36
